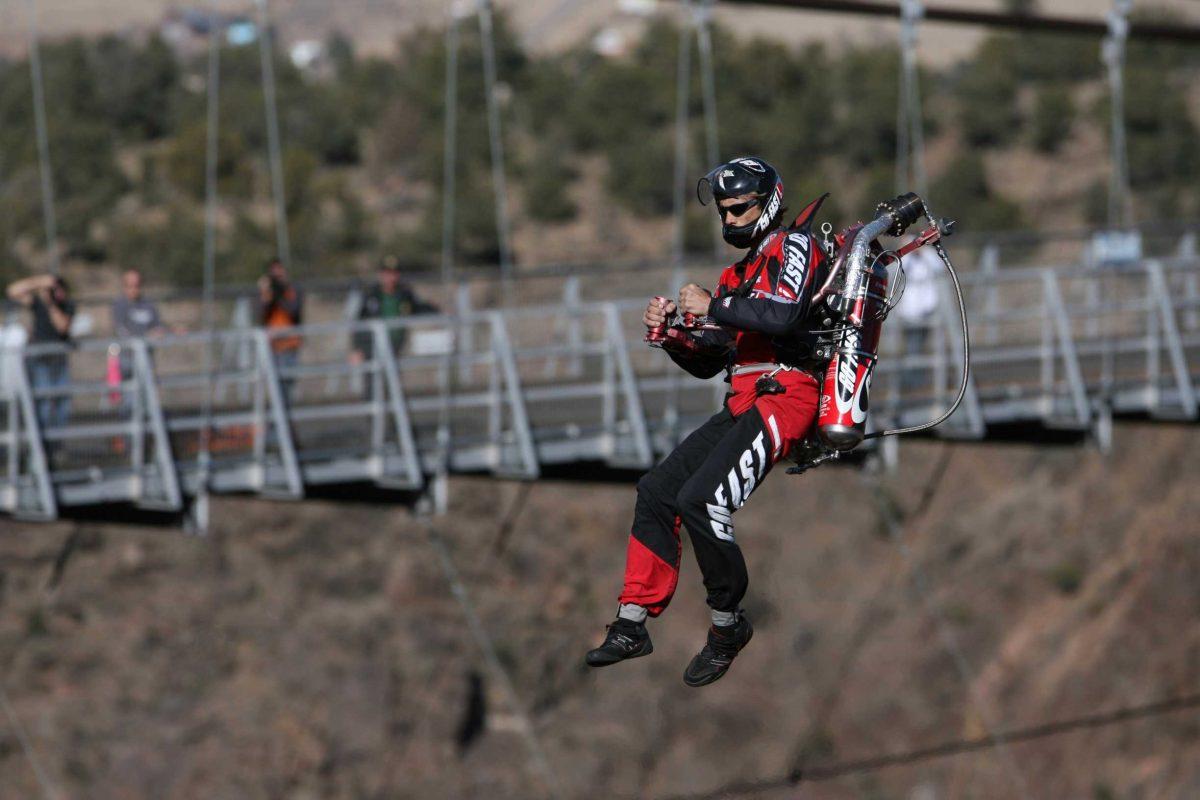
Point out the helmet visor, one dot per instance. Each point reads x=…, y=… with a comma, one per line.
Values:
x=704, y=189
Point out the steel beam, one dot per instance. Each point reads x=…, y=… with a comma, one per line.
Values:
x=1170, y=329
x=38, y=462
x=413, y=477
x=1040, y=23
x=1057, y=312
x=633, y=401
x=172, y=499
x=279, y=416
x=502, y=347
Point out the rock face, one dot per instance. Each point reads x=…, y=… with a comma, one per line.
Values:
x=316, y=651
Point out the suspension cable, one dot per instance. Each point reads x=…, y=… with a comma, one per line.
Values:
x=895, y=529
x=537, y=755
x=679, y=200
x=954, y=747
x=266, y=51
x=495, y=137
x=1112, y=53
x=49, y=790
x=449, y=147
x=210, y=245
x=682, y=90
x=702, y=19
x=910, y=137
x=43, y=139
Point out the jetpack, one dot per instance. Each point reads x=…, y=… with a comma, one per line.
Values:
x=851, y=306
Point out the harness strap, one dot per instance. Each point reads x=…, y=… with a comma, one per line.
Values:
x=762, y=366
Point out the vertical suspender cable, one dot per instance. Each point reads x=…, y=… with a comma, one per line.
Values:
x=43, y=139
x=709, y=88
x=1120, y=206
x=47, y=786
x=682, y=90
x=268, y=78
x=495, y=137
x=895, y=530
x=449, y=149
x=910, y=135
x=210, y=246
x=539, y=763
x=449, y=370
x=682, y=87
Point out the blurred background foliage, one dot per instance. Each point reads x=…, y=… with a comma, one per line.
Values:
x=363, y=139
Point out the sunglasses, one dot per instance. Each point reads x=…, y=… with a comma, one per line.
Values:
x=737, y=209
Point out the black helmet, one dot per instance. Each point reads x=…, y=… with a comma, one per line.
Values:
x=739, y=177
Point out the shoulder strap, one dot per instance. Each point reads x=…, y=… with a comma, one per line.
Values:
x=803, y=222
x=804, y=219
x=747, y=285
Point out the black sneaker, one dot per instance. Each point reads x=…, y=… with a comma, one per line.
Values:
x=723, y=645
x=625, y=639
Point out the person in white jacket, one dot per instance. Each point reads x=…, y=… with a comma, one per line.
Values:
x=916, y=308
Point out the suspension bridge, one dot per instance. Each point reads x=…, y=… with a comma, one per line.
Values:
x=486, y=390
x=491, y=390
x=513, y=392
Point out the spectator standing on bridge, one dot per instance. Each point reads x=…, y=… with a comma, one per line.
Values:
x=133, y=316
x=390, y=298
x=281, y=307
x=916, y=307
x=48, y=298
x=764, y=341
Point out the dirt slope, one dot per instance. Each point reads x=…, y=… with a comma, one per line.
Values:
x=314, y=650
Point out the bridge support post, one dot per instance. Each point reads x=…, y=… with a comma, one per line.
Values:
x=351, y=307
x=571, y=301
x=46, y=507
x=951, y=344
x=293, y=487
x=1174, y=344
x=1102, y=426
x=642, y=453
x=406, y=442
x=465, y=334
x=1056, y=319
x=1191, y=281
x=237, y=350
x=989, y=265
x=150, y=409
x=527, y=465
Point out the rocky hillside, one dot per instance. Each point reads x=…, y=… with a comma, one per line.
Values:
x=316, y=651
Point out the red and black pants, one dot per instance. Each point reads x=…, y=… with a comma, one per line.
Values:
x=701, y=484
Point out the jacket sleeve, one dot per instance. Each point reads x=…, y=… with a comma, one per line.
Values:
x=703, y=367
x=706, y=365
x=361, y=339
x=785, y=306
x=415, y=303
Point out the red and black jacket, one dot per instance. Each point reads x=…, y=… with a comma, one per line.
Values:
x=764, y=302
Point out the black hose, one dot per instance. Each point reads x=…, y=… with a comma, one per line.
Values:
x=966, y=367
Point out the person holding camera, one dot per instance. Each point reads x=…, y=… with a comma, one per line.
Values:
x=48, y=298
x=281, y=307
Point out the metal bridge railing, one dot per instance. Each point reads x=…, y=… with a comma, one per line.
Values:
x=510, y=391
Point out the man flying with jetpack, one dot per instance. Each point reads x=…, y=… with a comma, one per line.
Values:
x=758, y=330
